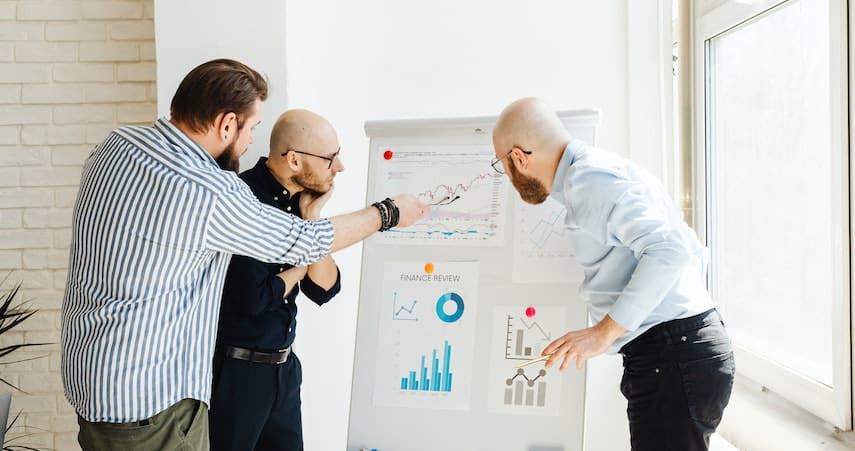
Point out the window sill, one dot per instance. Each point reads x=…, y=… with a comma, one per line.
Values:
x=758, y=419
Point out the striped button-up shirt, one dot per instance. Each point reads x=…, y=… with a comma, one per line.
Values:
x=155, y=225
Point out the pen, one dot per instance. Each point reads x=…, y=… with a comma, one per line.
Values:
x=539, y=359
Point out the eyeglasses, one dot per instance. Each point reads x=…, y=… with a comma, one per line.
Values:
x=330, y=159
x=496, y=164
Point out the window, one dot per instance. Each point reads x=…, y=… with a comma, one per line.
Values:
x=773, y=192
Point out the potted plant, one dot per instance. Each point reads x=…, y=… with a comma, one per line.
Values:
x=12, y=314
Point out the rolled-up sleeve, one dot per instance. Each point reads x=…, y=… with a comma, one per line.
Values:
x=240, y=224
x=621, y=213
x=316, y=293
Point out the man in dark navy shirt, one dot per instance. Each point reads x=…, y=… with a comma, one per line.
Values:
x=255, y=402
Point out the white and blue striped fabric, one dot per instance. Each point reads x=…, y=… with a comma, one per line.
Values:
x=155, y=225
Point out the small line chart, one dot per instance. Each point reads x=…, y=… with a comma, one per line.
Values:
x=543, y=245
x=404, y=311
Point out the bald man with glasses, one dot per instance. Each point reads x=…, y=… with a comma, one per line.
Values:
x=255, y=402
x=644, y=282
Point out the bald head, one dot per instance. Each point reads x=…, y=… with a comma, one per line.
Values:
x=529, y=140
x=529, y=123
x=314, y=162
x=302, y=130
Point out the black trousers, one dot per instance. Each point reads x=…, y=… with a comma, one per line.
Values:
x=256, y=406
x=677, y=380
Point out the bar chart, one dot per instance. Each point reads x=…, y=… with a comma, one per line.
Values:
x=520, y=390
x=439, y=379
x=521, y=333
x=524, y=339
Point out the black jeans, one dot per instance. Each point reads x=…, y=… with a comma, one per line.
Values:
x=677, y=380
x=256, y=406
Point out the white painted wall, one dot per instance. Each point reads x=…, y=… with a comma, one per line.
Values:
x=386, y=59
x=190, y=32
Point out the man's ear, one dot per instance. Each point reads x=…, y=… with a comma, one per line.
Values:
x=226, y=126
x=293, y=161
x=520, y=157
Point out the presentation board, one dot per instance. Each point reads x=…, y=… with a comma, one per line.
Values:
x=450, y=306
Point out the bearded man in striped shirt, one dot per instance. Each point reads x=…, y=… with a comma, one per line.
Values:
x=159, y=214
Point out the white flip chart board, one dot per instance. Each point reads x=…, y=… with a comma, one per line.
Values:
x=449, y=307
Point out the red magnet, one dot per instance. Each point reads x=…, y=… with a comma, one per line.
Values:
x=530, y=312
x=388, y=154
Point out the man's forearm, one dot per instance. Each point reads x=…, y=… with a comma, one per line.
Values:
x=291, y=277
x=324, y=273
x=354, y=227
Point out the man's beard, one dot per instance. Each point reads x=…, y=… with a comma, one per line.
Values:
x=531, y=190
x=310, y=182
x=229, y=160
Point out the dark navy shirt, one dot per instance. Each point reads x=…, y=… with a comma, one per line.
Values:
x=255, y=312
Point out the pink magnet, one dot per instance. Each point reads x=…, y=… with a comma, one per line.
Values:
x=530, y=312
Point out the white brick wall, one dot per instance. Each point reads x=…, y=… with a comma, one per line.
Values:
x=70, y=71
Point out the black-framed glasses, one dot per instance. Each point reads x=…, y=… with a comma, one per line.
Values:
x=330, y=159
x=496, y=164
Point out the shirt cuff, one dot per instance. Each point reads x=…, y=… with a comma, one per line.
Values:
x=627, y=315
x=317, y=294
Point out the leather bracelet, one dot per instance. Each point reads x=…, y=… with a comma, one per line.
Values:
x=395, y=213
x=383, y=209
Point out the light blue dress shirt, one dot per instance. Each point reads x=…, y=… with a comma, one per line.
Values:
x=643, y=264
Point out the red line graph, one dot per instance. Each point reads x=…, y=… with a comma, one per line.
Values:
x=456, y=190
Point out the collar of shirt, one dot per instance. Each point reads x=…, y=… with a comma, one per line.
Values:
x=177, y=138
x=570, y=153
x=261, y=179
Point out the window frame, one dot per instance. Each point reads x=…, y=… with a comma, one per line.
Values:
x=710, y=19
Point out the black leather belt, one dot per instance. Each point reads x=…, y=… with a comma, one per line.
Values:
x=270, y=358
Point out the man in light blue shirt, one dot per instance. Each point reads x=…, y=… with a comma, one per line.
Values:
x=644, y=279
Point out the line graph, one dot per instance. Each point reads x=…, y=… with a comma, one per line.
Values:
x=402, y=312
x=519, y=393
x=542, y=231
x=448, y=191
x=467, y=198
x=530, y=381
x=543, y=245
x=546, y=336
x=546, y=229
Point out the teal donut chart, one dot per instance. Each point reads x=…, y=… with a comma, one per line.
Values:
x=440, y=304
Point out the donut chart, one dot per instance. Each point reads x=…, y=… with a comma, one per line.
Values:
x=445, y=299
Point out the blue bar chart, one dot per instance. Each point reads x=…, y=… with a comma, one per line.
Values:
x=433, y=375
